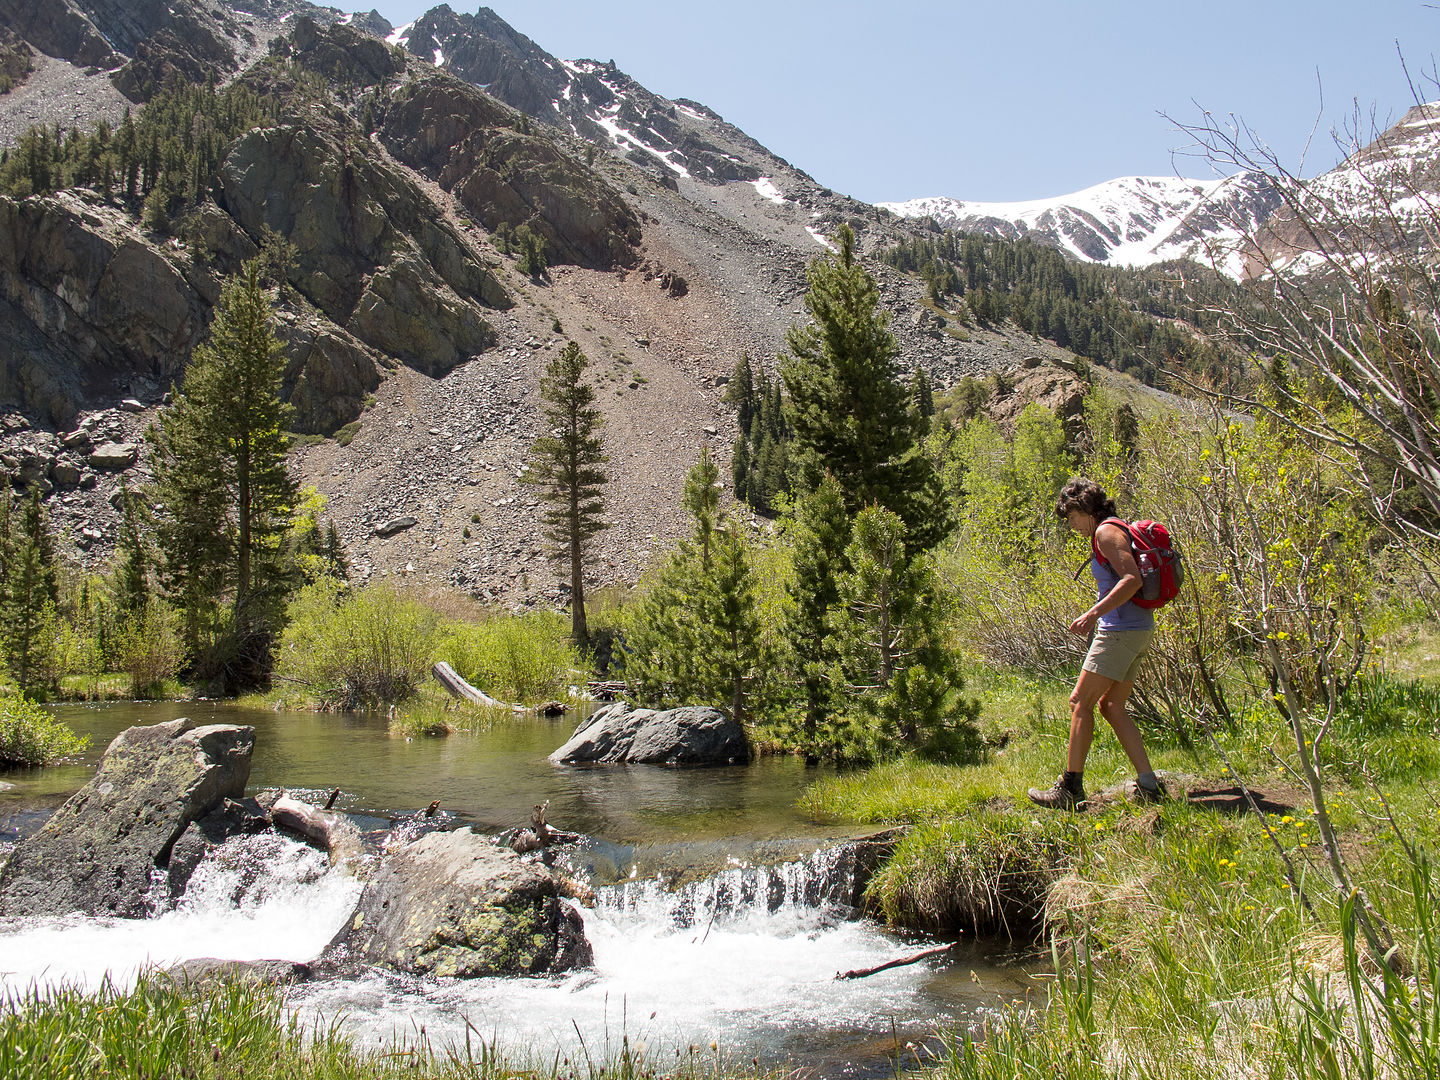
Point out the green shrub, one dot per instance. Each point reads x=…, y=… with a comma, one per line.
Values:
x=352, y=650
x=148, y=648
x=525, y=658
x=29, y=735
x=345, y=435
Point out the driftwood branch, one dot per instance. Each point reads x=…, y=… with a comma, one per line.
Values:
x=459, y=688
x=860, y=973
x=329, y=829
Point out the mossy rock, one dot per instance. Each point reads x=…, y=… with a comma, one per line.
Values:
x=456, y=904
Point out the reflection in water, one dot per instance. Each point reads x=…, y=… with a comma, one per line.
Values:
x=490, y=780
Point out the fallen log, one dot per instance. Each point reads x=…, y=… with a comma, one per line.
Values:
x=324, y=828
x=606, y=690
x=449, y=678
x=860, y=973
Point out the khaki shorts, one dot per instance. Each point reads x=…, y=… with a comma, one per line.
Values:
x=1116, y=654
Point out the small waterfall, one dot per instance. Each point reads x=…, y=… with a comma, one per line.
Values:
x=745, y=958
x=253, y=897
x=827, y=881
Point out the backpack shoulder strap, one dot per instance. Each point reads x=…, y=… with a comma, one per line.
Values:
x=1095, y=547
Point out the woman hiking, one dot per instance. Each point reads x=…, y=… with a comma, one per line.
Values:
x=1122, y=636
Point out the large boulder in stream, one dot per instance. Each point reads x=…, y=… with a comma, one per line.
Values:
x=458, y=904
x=98, y=853
x=618, y=734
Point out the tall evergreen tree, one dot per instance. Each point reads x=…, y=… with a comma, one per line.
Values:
x=850, y=413
x=740, y=394
x=702, y=499
x=567, y=465
x=132, y=563
x=30, y=592
x=227, y=494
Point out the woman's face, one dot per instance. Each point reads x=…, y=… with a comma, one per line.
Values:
x=1081, y=522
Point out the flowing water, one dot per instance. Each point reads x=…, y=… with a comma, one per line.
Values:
x=744, y=954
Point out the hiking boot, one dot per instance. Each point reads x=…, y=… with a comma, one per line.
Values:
x=1137, y=792
x=1059, y=797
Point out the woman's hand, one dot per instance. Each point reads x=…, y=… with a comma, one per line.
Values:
x=1085, y=623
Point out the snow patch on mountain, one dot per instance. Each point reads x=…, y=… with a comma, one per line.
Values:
x=767, y=190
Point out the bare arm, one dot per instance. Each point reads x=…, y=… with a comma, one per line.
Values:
x=1114, y=544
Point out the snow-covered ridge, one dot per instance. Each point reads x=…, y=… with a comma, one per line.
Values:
x=1121, y=221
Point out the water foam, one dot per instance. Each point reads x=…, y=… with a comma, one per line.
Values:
x=260, y=897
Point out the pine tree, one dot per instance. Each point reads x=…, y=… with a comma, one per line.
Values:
x=740, y=394
x=819, y=538
x=697, y=636
x=922, y=394
x=227, y=494
x=904, y=685
x=567, y=464
x=531, y=248
x=849, y=412
x=702, y=500
x=132, y=562
x=30, y=592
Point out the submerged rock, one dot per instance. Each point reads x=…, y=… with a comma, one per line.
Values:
x=232, y=818
x=197, y=973
x=98, y=852
x=618, y=734
x=457, y=904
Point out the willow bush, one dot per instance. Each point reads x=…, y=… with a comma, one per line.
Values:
x=522, y=659
x=31, y=735
x=357, y=649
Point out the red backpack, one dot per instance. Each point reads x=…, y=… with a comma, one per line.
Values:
x=1162, y=570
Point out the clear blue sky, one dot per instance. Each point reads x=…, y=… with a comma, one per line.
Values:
x=992, y=100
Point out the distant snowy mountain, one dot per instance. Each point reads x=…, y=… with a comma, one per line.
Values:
x=1132, y=221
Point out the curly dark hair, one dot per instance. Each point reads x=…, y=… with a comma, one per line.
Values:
x=1088, y=497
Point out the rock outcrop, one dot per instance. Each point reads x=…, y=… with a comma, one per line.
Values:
x=98, y=852
x=618, y=735
x=457, y=904
x=479, y=150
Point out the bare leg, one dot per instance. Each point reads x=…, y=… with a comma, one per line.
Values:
x=1113, y=707
x=1090, y=688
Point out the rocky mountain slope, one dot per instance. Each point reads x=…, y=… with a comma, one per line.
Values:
x=415, y=346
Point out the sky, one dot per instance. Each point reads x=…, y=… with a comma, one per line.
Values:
x=1002, y=101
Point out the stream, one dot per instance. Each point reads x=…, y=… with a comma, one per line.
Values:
x=706, y=928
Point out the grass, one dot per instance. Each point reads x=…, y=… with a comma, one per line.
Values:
x=1181, y=948
x=239, y=1028
x=434, y=712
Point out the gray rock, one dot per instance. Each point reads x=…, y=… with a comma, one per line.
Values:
x=457, y=904
x=65, y=474
x=97, y=853
x=113, y=457
x=618, y=734
x=395, y=525
x=130, y=405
